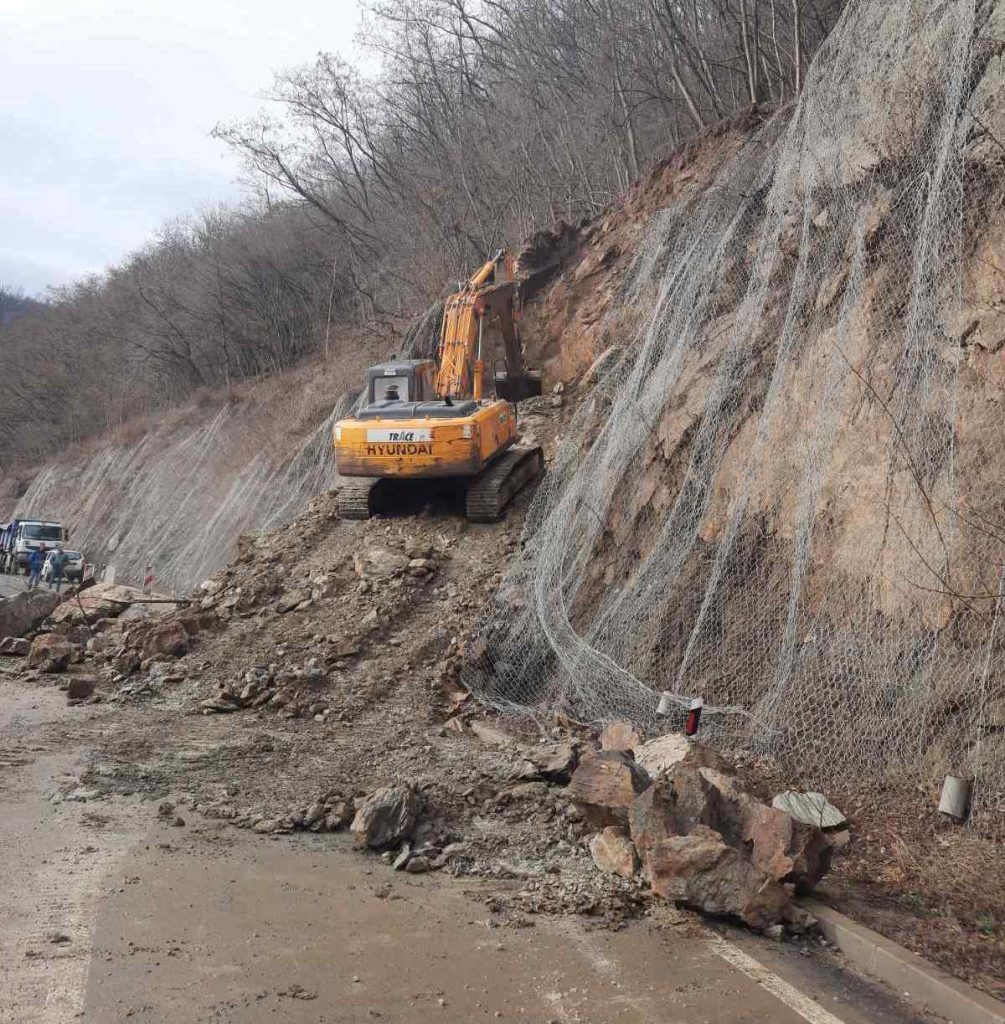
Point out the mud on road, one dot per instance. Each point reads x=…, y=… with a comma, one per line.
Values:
x=114, y=911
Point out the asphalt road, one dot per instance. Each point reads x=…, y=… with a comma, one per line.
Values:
x=113, y=913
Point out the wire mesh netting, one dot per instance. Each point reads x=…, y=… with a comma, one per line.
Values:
x=178, y=497
x=786, y=497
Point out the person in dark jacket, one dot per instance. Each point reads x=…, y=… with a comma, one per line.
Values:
x=35, y=562
x=56, y=565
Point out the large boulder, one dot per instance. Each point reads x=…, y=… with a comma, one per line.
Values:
x=784, y=848
x=690, y=797
x=787, y=850
x=386, y=817
x=700, y=835
x=51, y=653
x=702, y=871
x=605, y=785
x=102, y=601
x=166, y=639
x=25, y=612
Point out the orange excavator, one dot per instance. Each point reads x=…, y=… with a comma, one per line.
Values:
x=427, y=419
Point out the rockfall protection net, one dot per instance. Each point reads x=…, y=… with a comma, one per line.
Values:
x=178, y=497
x=787, y=496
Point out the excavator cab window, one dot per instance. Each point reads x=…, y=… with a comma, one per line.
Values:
x=390, y=389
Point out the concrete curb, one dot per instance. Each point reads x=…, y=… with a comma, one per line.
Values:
x=925, y=984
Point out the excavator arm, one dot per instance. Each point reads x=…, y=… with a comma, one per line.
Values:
x=490, y=294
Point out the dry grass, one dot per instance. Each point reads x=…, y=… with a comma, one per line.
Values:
x=935, y=887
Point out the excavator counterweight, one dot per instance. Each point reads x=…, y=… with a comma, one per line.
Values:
x=429, y=420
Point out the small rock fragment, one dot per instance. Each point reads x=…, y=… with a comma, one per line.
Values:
x=614, y=853
x=386, y=817
x=810, y=809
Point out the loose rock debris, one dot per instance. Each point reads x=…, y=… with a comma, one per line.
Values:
x=312, y=687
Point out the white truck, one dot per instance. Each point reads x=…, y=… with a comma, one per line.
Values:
x=20, y=537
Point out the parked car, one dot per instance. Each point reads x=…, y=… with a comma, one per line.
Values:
x=73, y=567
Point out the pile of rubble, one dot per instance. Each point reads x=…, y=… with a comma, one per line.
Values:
x=678, y=814
x=339, y=645
x=113, y=629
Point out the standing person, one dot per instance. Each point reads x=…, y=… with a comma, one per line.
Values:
x=35, y=562
x=56, y=564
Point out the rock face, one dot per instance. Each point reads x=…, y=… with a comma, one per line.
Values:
x=614, y=853
x=25, y=612
x=50, y=653
x=604, y=787
x=15, y=646
x=385, y=817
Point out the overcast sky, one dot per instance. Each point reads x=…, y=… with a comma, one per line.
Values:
x=106, y=108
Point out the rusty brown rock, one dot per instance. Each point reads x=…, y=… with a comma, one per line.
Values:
x=614, y=853
x=50, y=653
x=605, y=785
x=165, y=639
x=784, y=848
x=386, y=817
x=690, y=798
x=651, y=817
x=702, y=871
x=620, y=736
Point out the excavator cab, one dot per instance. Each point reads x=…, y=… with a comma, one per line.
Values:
x=404, y=389
x=427, y=419
x=402, y=381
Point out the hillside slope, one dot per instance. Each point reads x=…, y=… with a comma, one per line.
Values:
x=176, y=492
x=784, y=496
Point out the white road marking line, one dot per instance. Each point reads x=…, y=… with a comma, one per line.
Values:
x=807, y=1008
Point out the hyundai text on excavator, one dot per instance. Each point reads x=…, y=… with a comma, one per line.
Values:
x=429, y=420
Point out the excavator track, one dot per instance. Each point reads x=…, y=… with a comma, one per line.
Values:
x=355, y=499
x=498, y=484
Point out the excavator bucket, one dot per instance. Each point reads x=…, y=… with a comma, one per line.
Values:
x=519, y=386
